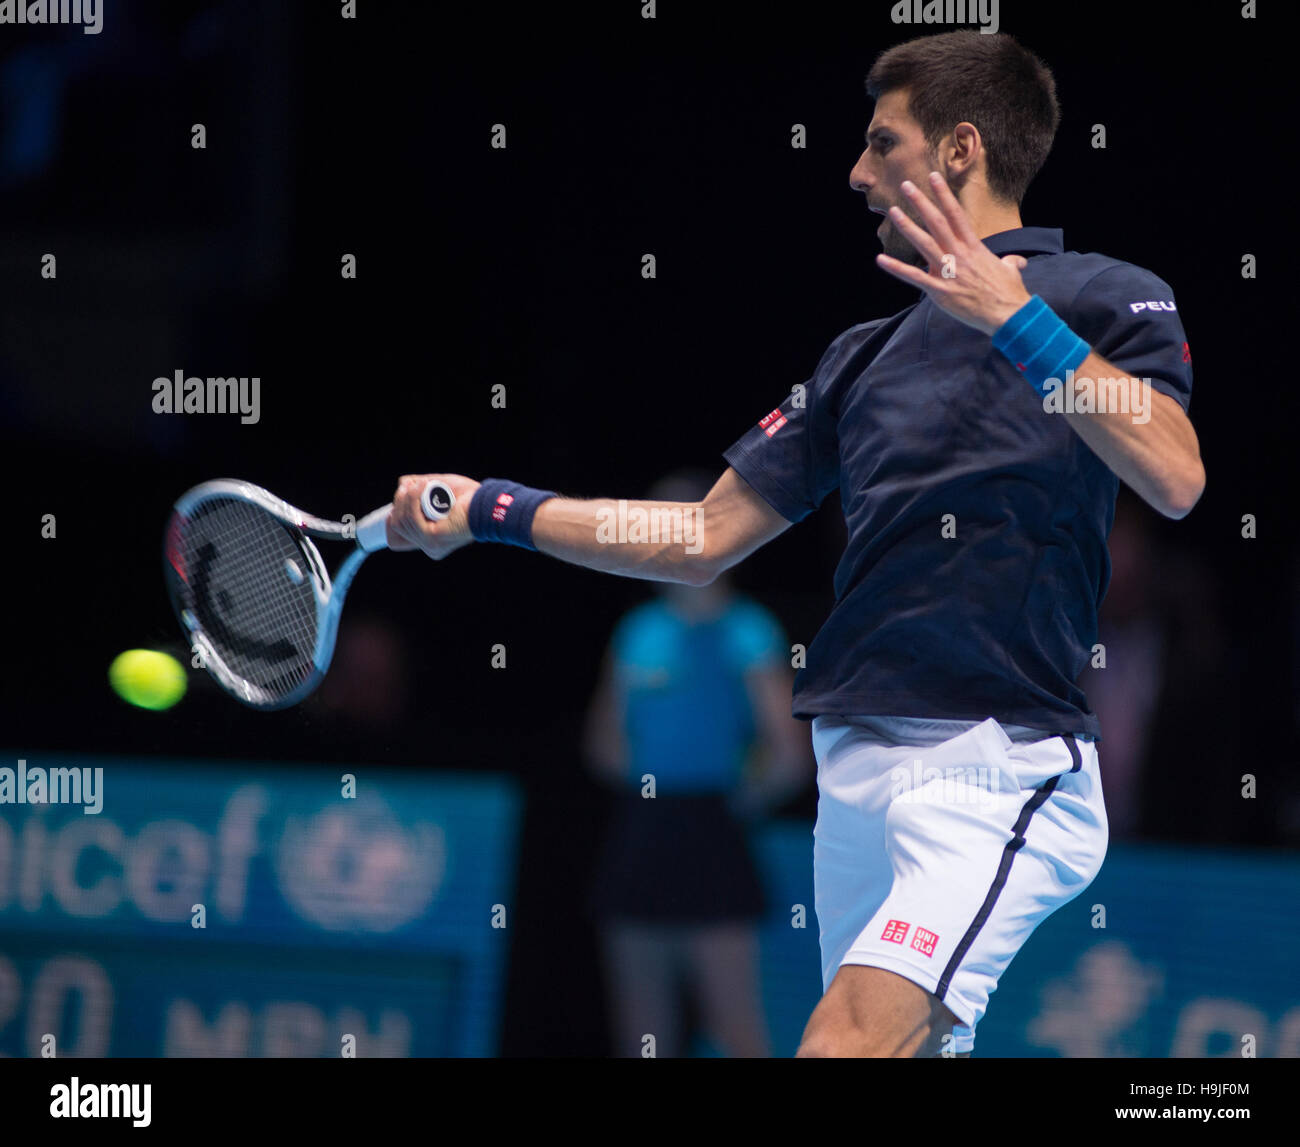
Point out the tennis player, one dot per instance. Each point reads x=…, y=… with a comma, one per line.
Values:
x=977, y=438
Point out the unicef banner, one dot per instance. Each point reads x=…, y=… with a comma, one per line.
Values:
x=178, y=908
x=1170, y=952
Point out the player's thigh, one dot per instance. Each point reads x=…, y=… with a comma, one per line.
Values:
x=873, y=1012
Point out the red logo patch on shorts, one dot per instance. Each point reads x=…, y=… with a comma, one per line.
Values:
x=895, y=930
x=924, y=941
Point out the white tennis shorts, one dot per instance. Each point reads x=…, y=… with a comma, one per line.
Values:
x=941, y=845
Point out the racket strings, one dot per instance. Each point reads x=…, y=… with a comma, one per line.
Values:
x=250, y=587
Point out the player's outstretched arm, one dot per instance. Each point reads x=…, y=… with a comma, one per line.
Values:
x=689, y=542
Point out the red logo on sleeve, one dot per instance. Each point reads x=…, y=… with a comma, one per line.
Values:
x=924, y=941
x=895, y=931
x=769, y=418
x=1187, y=353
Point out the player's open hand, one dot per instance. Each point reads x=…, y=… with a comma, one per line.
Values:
x=965, y=278
x=409, y=529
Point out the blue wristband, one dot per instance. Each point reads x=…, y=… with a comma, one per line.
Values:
x=502, y=511
x=1040, y=344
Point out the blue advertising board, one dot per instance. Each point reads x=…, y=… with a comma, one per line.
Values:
x=213, y=910
x=244, y=910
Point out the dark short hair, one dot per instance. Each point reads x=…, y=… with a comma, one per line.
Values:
x=1006, y=91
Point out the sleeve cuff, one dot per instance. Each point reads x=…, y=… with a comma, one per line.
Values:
x=764, y=485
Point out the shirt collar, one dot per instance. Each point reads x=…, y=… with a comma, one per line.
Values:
x=1027, y=241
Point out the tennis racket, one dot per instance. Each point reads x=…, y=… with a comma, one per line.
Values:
x=251, y=591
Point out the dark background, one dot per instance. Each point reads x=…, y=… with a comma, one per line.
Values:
x=522, y=267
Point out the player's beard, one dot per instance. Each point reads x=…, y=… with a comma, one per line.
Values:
x=894, y=243
x=898, y=246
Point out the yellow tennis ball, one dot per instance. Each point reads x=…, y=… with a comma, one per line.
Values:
x=147, y=678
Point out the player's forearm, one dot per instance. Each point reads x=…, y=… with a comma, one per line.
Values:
x=1150, y=446
x=657, y=541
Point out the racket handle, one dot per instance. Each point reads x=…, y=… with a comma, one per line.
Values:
x=372, y=530
x=436, y=501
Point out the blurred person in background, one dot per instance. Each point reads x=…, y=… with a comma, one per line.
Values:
x=1202, y=731
x=1132, y=629
x=694, y=692
x=1169, y=694
x=362, y=706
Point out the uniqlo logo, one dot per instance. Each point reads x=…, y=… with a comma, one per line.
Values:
x=895, y=930
x=775, y=426
x=769, y=418
x=1187, y=353
x=499, y=510
x=924, y=942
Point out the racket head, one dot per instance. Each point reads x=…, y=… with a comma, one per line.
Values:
x=250, y=590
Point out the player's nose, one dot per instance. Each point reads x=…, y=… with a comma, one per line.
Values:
x=859, y=179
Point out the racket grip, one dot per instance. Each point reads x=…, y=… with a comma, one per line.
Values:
x=436, y=501
x=372, y=530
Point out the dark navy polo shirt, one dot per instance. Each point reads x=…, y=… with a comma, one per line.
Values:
x=917, y=417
